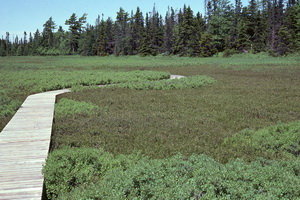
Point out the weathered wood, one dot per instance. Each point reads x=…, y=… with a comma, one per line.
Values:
x=24, y=146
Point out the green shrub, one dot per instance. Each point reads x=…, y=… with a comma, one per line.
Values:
x=68, y=168
x=67, y=107
x=183, y=83
x=94, y=174
x=278, y=142
x=8, y=106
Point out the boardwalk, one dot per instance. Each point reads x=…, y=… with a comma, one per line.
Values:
x=24, y=145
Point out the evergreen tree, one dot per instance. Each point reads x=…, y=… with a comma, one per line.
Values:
x=137, y=29
x=76, y=28
x=110, y=36
x=87, y=41
x=264, y=25
x=25, y=45
x=8, y=44
x=146, y=47
x=219, y=23
x=292, y=27
x=206, y=45
x=3, y=47
x=48, y=33
x=199, y=30
x=260, y=33
x=121, y=33
x=156, y=31
x=102, y=39
x=169, y=32
x=187, y=40
x=20, y=48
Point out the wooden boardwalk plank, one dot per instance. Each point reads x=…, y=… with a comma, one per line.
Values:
x=24, y=146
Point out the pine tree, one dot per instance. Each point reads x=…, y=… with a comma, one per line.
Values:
x=76, y=28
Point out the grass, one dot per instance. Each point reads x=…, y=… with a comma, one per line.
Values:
x=167, y=84
x=129, y=141
x=21, y=76
x=69, y=108
x=162, y=123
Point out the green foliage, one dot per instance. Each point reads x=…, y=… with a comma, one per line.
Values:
x=44, y=80
x=22, y=76
x=68, y=168
x=206, y=46
x=161, y=123
x=68, y=108
x=8, y=105
x=257, y=27
x=183, y=83
x=75, y=27
x=277, y=142
x=93, y=174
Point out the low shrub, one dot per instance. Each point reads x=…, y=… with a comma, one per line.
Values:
x=93, y=174
x=8, y=105
x=277, y=142
x=183, y=83
x=67, y=107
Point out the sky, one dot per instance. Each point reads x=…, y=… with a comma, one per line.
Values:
x=18, y=16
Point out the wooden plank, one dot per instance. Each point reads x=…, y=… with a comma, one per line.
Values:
x=24, y=146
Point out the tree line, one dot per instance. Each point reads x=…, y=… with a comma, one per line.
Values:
x=262, y=26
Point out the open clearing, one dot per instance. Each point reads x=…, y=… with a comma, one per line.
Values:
x=252, y=110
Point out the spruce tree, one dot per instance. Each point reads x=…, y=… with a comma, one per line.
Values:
x=8, y=44
x=102, y=39
x=146, y=48
x=207, y=45
x=187, y=39
x=3, y=46
x=137, y=30
x=121, y=33
x=169, y=32
x=110, y=36
x=219, y=23
x=48, y=33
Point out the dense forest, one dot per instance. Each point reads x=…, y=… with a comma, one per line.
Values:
x=262, y=26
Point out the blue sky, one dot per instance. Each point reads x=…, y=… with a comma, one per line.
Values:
x=18, y=16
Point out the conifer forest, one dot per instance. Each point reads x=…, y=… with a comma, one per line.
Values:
x=262, y=26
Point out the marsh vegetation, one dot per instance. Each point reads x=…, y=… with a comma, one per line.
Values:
x=236, y=136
